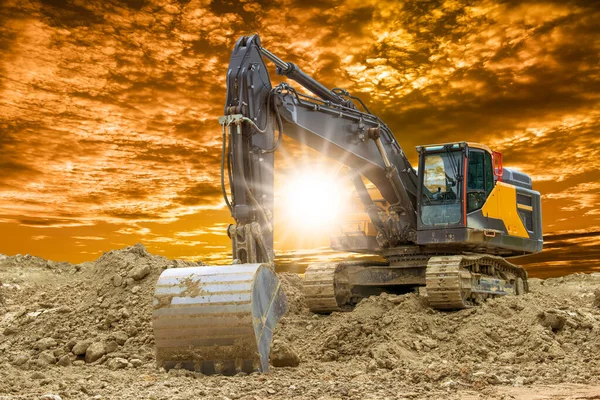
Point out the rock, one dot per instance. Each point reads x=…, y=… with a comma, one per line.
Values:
x=330, y=355
x=120, y=337
x=140, y=272
x=135, y=289
x=50, y=396
x=117, y=280
x=11, y=330
x=552, y=320
x=94, y=352
x=37, y=375
x=78, y=363
x=283, y=355
x=45, y=343
x=519, y=381
x=449, y=384
x=70, y=344
x=555, y=351
x=395, y=299
x=432, y=344
x=136, y=362
x=111, y=346
x=507, y=357
x=138, y=249
x=81, y=347
x=59, y=352
x=105, y=303
x=596, y=298
x=112, y=316
x=64, y=361
x=371, y=366
x=124, y=312
x=117, y=363
x=47, y=358
x=384, y=357
x=20, y=359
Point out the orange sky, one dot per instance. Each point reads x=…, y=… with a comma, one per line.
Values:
x=108, y=109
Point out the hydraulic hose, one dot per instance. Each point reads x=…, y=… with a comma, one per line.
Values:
x=223, y=169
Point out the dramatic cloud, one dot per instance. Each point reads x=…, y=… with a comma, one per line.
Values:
x=108, y=110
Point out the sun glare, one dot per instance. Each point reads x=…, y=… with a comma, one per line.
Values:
x=312, y=200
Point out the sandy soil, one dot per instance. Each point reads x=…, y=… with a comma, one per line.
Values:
x=84, y=331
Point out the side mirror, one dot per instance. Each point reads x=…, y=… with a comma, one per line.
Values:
x=497, y=163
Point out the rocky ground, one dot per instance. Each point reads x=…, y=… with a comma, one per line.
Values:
x=84, y=331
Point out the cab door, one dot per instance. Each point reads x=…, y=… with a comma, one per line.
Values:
x=480, y=178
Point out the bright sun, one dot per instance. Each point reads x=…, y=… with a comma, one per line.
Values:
x=312, y=200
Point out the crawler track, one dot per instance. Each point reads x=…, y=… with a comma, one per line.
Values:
x=455, y=282
x=452, y=281
x=325, y=287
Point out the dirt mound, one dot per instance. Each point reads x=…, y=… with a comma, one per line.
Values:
x=99, y=311
x=550, y=335
x=85, y=330
x=292, y=287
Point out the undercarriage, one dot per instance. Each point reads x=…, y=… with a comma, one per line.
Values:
x=450, y=282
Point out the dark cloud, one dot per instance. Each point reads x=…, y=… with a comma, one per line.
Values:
x=68, y=14
x=201, y=193
x=565, y=253
x=51, y=222
x=10, y=168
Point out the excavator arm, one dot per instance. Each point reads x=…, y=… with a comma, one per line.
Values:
x=330, y=123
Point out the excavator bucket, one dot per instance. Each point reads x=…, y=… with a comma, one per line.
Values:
x=217, y=320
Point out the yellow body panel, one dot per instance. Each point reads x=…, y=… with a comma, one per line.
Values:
x=502, y=204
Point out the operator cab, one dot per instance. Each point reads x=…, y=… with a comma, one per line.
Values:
x=442, y=169
x=465, y=196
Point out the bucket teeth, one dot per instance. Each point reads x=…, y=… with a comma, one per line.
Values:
x=217, y=320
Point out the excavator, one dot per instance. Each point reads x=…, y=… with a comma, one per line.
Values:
x=446, y=231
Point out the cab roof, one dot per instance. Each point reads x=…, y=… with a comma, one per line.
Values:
x=440, y=146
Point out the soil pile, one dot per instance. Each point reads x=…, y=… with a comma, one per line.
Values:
x=81, y=331
x=548, y=336
x=85, y=313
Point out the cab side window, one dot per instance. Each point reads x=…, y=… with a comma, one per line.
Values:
x=475, y=170
x=489, y=174
x=476, y=180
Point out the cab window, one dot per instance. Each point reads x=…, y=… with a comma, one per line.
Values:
x=441, y=204
x=476, y=180
x=489, y=173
